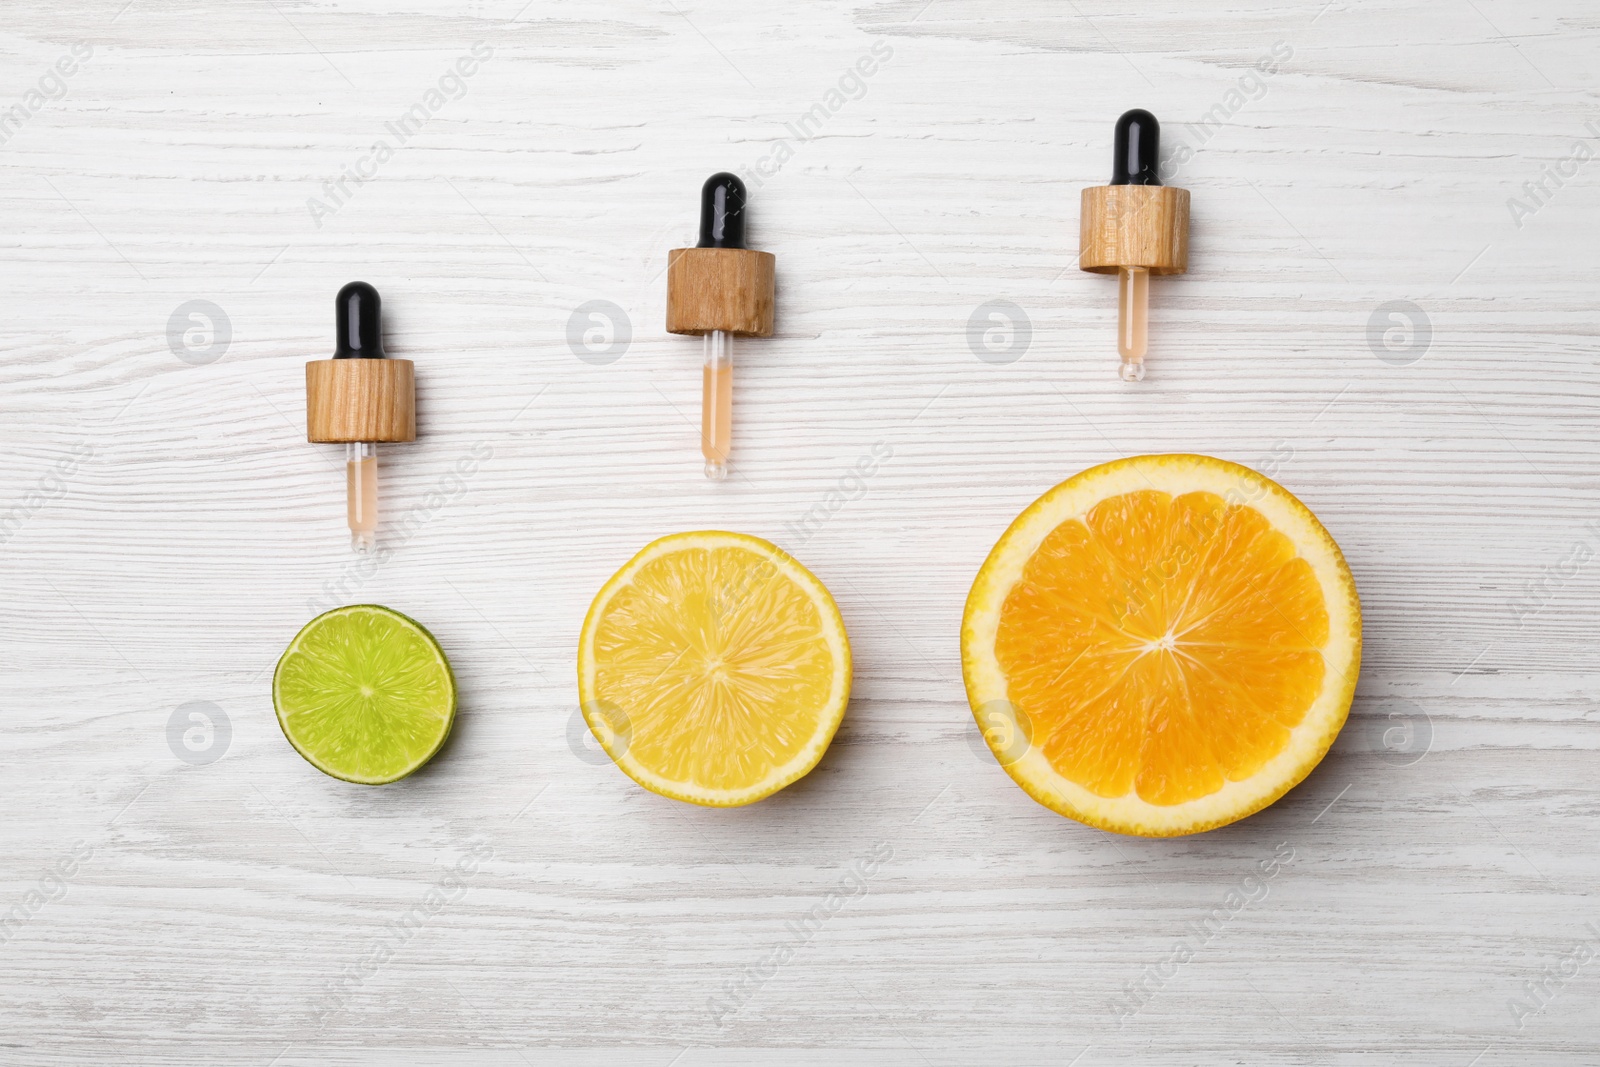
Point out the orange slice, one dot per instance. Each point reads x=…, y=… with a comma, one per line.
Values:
x=714, y=668
x=1162, y=645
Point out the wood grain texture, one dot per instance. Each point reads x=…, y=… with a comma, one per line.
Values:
x=732, y=289
x=1390, y=306
x=1134, y=226
x=361, y=400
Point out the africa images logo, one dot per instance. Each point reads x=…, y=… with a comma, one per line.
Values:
x=451, y=85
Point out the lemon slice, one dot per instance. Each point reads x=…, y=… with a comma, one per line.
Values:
x=714, y=668
x=1162, y=645
x=365, y=694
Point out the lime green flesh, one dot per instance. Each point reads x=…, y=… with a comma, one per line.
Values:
x=365, y=694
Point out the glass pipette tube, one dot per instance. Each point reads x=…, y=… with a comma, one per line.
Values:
x=1133, y=320
x=361, y=502
x=716, y=409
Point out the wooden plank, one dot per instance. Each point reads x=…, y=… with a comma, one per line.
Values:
x=1381, y=301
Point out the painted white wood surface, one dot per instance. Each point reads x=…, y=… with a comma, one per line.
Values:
x=182, y=529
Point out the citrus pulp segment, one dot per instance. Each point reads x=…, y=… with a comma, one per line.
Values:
x=714, y=668
x=365, y=694
x=1162, y=645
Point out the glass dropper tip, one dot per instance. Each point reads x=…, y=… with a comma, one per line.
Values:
x=1133, y=320
x=716, y=404
x=361, y=499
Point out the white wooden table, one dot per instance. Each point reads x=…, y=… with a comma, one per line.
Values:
x=168, y=529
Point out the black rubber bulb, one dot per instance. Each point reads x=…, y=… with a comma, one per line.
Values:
x=1138, y=152
x=356, y=311
x=722, y=212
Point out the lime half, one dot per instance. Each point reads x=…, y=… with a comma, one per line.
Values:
x=365, y=694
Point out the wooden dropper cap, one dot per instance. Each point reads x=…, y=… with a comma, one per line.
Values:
x=1135, y=221
x=359, y=394
x=721, y=284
